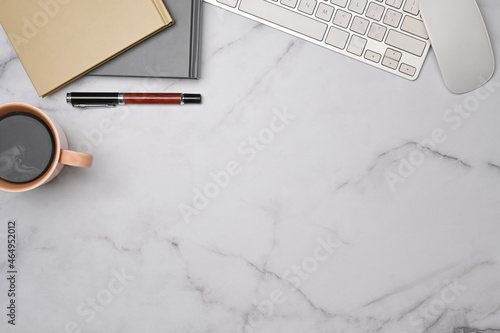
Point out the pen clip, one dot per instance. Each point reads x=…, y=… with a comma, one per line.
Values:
x=83, y=106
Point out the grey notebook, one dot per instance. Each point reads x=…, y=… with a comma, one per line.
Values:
x=173, y=52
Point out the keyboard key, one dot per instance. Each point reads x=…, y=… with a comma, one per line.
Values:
x=394, y=3
x=392, y=18
x=407, y=69
x=230, y=3
x=356, y=45
x=337, y=38
x=324, y=12
x=372, y=56
x=405, y=42
x=286, y=18
x=414, y=26
x=377, y=32
x=375, y=11
x=340, y=3
x=359, y=25
x=342, y=18
x=412, y=7
x=389, y=62
x=307, y=6
x=289, y=3
x=393, y=54
x=358, y=6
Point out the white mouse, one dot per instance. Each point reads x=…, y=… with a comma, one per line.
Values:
x=460, y=41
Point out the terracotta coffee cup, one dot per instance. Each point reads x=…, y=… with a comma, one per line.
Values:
x=34, y=148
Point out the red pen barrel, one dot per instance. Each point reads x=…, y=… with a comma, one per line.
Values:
x=157, y=98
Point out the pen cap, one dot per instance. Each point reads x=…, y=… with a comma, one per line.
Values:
x=191, y=98
x=90, y=99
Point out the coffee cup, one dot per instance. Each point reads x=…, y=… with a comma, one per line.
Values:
x=33, y=148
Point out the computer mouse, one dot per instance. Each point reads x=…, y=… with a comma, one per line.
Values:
x=460, y=42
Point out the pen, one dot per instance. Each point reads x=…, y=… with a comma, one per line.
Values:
x=108, y=99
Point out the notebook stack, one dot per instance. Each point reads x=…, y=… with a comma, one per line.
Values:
x=174, y=53
x=60, y=41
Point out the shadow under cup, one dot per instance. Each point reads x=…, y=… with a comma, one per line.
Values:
x=33, y=148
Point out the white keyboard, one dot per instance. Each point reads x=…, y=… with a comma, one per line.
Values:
x=387, y=34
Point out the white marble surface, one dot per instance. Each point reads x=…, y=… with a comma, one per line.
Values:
x=305, y=235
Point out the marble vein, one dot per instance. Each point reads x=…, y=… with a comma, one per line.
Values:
x=415, y=307
x=494, y=312
x=437, y=153
x=494, y=165
x=410, y=285
x=431, y=276
x=255, y=27
x=266, y=272
x=463, y=272
x=315, y=307
x=256, y=83
x=111, y=242
x=435, y=322
x=381, y=156
x=6, y=63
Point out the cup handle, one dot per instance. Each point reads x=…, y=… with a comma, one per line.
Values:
x=74, y=158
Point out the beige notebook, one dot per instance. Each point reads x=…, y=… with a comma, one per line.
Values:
x=58, y=41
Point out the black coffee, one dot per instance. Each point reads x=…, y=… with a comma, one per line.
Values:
x=26, y=147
